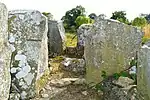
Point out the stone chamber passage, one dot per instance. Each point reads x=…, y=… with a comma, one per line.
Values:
x=107, y=62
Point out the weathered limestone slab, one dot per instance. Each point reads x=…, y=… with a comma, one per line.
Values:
x=5, y=78
x=109, y=47
x=81, y=34
x=56, y=38
x=28, y=39
x=143, y=72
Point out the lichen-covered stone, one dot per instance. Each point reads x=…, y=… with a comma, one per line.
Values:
x=28, y=40
x=143, y=72
x=121, y=89
x=56, y=38
x=109, y=47
x=81, y=34
x=14, y=96
x=74, y=65
x=5, y=78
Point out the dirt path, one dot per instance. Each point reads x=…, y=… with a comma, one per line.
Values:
x=63, y=85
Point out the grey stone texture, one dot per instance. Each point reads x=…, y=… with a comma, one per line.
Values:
x=5, y=52
x=56, y=38
x=143, y=72
x=29, y=60
x=109, y=47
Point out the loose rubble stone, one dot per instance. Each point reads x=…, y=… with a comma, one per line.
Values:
x=73, y=65
x=14, y=96
x=121, y=89
x=29, y=59
x=67, y=81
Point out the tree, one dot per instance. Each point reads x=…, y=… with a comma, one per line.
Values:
x=148, y=18
x=48, y=15
x=83, y=20
x=120, y=16
x=93, y=16
x=139, y=21
x=71, y=15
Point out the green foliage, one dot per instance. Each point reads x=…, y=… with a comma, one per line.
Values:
x=70, y=41
x=92, y=16
x=139, y=21
x=144, y=40
x=83, y=20
x=45, y=13
x=48, y=15
x=71, y=15
x=99, y=87
x=133, y=62
x=123, y=74
x=120, y=16
x=9, y=23
x=116, y=75
x=104, y=75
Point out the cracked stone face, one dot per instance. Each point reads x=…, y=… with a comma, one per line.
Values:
x=109, y=47
x=5, y=78
x=28, y=42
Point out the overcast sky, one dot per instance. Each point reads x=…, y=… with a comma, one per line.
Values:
x=58, y=7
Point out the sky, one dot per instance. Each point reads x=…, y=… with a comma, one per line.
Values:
x=58, y=7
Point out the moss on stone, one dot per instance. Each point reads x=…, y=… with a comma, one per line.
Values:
x=58, y=58
x=15, y=63
x=9, y=23
x=75, y=61
x=42, y=81
x=12, y=59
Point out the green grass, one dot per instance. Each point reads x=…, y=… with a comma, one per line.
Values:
x=70, y=41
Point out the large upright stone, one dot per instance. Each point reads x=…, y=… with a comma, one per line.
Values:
x=28, y=39
x=109, y=47
x=56, y=38
x=81, y=34
x=5, y=78
x=143, y=72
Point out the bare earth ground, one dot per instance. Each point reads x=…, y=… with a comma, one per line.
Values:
x=55, y=89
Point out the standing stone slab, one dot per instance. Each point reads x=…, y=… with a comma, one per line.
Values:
x=56, y=38
x=5, y=78
x=109, y=47
x=81, y=34
x=28, y=39
x=143, y=72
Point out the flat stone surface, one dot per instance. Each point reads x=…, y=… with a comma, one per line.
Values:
x=5, y=78
x=56, y=38
x=143, y=72
x=109, y=47
x=28, y=38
